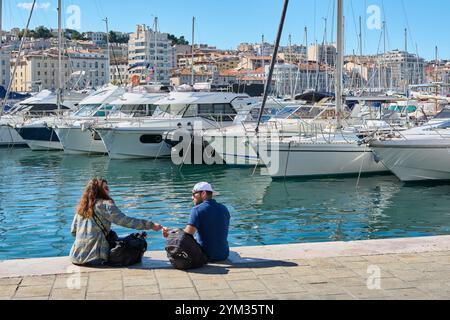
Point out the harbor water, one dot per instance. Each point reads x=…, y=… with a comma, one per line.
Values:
x=40, y=190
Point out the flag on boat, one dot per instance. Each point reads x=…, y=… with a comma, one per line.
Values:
x=139, y=64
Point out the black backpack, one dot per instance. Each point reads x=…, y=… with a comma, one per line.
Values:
x=123, y=252
x=184, y=252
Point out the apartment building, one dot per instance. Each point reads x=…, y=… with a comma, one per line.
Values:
x=325, y=54
x=150, y=55
x=5, y=68
x=406, y=69
x=39, y=70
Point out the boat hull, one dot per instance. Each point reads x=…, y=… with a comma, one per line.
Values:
x=127, y=144
x=80, y=142
x=316, y=160
x=233, y=150
x=40, y=138
x=9, y=138
x=414, y=161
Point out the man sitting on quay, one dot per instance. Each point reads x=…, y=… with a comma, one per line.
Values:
x=210, y=222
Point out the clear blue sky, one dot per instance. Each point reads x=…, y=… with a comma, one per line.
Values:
x=226, y=23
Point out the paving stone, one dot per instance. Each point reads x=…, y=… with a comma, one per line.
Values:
x=257, y=295
x=10, y=281
x=350, y=259
x=444, y=260
x=211, y=285
x=141, y=290
x=314, y=279
x=170, y=273
x=246, y=285
x=106, y=276
x=296, y=296
x=176, y=283
x=323, y=289
x=139, y=281
x=357, y=265
x=222, y=294
x=381, y=259
x=103, y=286
x=195, y=276
x=431, y=286
x=284, y=287
x=109, y=295
x=409, y=294
x=434, y=253
x=412, y=258
x=408, y=275
x=443, y=276
x=67, y=282
x=7, y=291
x=327, y=263
x=268, y=271
x=33, y=291
x=362, y=292
x=38, y=281
x=301, y=271
x=349, y=282
x=138, y=273
x=180, y=294
x=394, y=283
x=366, y=273
x=299, y=263
x=337, y=273
x=284, y=277
x=44, y=298
x=143, y=297
x=240, y=276
x=429, y=267
x=67, y=294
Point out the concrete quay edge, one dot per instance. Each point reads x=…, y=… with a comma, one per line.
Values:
x=246, y=255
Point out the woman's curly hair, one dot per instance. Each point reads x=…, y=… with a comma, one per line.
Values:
x=94, y=191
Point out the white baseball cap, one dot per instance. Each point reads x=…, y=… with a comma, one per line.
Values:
x=203, y=186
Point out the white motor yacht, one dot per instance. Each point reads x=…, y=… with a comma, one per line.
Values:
x=39, y=133
x=77, y=135
x=418, y=154
x=191, y=111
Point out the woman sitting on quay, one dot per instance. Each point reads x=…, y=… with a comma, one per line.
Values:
x=91, y=247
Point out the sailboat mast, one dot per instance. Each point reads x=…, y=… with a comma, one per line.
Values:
x=339, y=62
x=272, y=64
x=60, y=71
x=108, y=46
x=307, y=59
x=1, y=23
x=192, y=51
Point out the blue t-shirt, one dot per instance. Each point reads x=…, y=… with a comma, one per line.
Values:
x=212, y=221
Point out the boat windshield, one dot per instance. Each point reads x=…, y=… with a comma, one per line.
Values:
x=87, y=110
x=286, y=112
x=132, y=110
x=169, y=110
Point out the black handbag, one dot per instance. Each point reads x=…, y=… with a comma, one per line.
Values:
x=126, y=251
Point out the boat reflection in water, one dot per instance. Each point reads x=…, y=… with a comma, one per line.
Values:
x=335, y=210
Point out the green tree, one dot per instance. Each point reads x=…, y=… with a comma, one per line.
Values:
x=176, y=40
x=42, y=32
x=114, y=37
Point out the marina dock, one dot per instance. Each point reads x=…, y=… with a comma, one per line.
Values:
x=409, y=268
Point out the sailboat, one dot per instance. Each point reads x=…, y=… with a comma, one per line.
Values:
x=326, y=153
